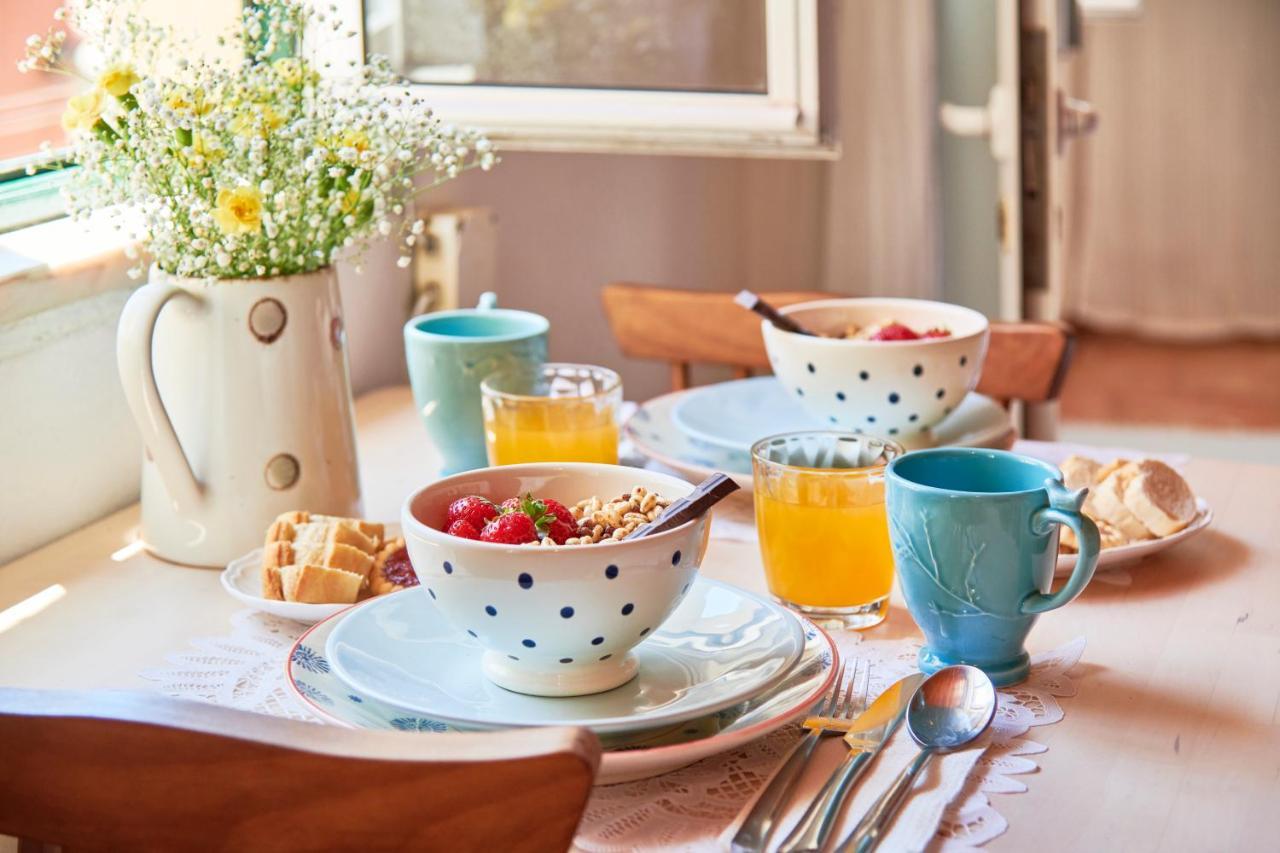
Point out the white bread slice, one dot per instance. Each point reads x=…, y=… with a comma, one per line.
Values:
x=1111, y=538
x=1106, y=502
x=319, y=585
x=1079, y=472
x=1159, y=498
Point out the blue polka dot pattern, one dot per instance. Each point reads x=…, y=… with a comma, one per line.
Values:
x=832, y=418
x=566, y=660
x=566, y=612
x=964, y=359
x=473, y=633
x=675, y=558
x=448, y=567
x=894, y=398
x=812, y=369
x=913, y=418
x=597, y=641
x=432, y=591
x=942, y=392
x=525, y=580
x=893, y=430
x=627, y=608
x=491, y=610
x=528, y=644
x=918, y=370
x=606, y=657
x=513, y=657
x=611, y=572
x=871, y=419
x=800, y=392
x=645, y=631
x=840, y=396
x=863, y=375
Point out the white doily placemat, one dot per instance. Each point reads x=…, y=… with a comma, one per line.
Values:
x=696, y=807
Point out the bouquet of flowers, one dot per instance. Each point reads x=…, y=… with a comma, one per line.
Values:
x=258, y=163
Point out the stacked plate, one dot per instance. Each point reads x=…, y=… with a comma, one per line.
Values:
x=725, y=668
x=704, y=430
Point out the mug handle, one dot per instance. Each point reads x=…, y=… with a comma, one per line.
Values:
x=137, y=375
x=488, y=301
x=1064, y=508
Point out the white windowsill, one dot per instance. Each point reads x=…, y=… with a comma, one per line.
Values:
x=55, y=263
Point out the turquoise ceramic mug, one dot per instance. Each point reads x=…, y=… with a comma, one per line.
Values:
x=449, y=353
x=975, y=543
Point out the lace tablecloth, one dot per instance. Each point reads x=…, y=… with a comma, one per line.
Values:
x=696, y=807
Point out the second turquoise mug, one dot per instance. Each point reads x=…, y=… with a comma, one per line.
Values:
x=449, y=353
x=975, y=543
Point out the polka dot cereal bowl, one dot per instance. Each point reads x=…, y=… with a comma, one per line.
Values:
x=554, y=621
x=891, y=389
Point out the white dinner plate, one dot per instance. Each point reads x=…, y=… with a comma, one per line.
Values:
x=721, y=646
x=627, y=757
x=1122, y=555
x=654, y=432
x=242, y=579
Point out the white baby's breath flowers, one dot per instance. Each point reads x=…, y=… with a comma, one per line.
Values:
x=264, y=166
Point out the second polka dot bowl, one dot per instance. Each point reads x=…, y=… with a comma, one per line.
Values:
x=554, y=621
x=891, y=389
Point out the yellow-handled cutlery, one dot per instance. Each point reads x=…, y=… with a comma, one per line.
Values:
x=864, y=736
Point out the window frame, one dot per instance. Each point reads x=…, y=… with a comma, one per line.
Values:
x=785, y=121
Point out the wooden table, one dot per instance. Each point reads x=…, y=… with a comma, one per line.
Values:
x=1172, y=743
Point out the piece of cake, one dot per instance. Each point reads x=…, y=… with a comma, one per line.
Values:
x=1159, y=498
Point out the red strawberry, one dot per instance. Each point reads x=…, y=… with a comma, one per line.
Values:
x=464, y=529
x=560, y=530
x=937, y=332
x=894, y=332
x=512, y=528
x=513, y=504
x=473, y=509
x=559, y=510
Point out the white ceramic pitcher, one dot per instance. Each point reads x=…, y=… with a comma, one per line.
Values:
x=241, y=391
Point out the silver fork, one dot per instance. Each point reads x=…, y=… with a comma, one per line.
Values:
x=840, y=704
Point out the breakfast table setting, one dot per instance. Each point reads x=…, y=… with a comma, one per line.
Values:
x=799, y=611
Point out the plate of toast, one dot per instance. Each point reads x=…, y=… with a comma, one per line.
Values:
x=311, y=566
x=1140, y=507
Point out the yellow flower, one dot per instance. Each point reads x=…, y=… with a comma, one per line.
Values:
x=239, y=211
x=293, y=71
x=180, y=100
x=350, y=200
x=118, y=79
x=83, y=111
x=259, y=118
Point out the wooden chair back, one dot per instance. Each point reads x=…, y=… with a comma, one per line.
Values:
x=1025, y=361
x=115, y=770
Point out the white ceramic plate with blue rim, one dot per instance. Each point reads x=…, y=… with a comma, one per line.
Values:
x=720, y=646
x=633, y=755
x=751, y=409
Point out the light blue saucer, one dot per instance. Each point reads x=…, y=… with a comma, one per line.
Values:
x=722, y=645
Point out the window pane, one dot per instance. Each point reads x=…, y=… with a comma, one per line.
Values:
x=692, y=45
x=30, y=104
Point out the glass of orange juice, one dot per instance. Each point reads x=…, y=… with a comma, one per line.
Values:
x=551, y=413
x=823, y=535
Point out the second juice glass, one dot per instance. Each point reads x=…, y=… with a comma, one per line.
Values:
x=824, y=537
x=552, y=413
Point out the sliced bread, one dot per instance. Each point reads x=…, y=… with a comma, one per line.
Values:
x=1159, y=498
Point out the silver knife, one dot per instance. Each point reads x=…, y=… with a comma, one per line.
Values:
x=865, y=737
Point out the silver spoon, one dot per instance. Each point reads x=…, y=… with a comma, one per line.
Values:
x=949, y=710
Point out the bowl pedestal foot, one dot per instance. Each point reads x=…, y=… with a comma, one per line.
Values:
x=559, y=679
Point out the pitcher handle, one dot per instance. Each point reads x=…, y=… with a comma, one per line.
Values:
x=137, y=375
x=1064, y=508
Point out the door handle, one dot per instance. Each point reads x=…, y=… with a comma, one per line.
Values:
x=1076, y=118
x=995, y=120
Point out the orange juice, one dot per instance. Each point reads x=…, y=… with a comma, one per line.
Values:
x=828, y=545
x=551, y=430
x=824, y=536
